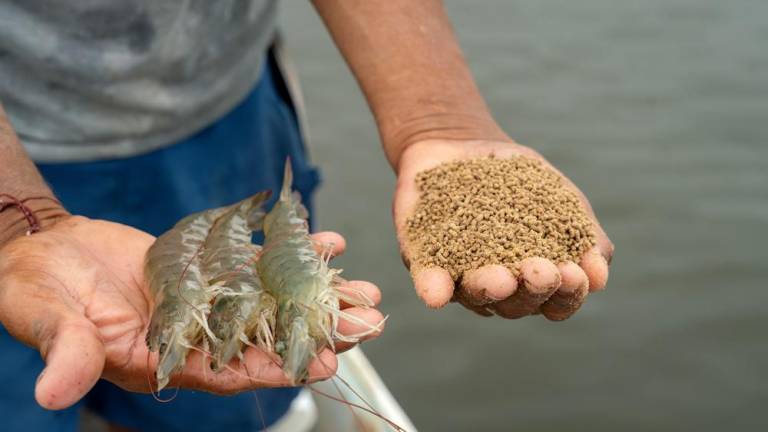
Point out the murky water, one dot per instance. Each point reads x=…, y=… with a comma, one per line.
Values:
x=659, y=111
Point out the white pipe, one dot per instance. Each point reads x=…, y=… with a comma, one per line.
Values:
x=356, y=370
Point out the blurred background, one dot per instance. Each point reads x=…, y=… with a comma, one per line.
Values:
x=658, y=110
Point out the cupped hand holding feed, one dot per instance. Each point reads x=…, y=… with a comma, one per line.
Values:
x=541, y=286
x=76, y=292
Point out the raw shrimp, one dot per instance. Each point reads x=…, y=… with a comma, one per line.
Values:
x=181, y=293
x=305, y=288
x=243, y=311
x=287, y=302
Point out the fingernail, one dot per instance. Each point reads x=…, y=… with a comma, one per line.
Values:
x=39, y=377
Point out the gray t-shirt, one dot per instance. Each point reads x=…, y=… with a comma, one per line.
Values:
x=94, y=79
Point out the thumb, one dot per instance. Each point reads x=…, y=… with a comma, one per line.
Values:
x=433, y=285
x=68, y=342
x=74, y=360
x=403, y=206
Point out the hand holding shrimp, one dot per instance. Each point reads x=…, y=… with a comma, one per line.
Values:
x=259, y=369
x=216, y=292
x=76, y=293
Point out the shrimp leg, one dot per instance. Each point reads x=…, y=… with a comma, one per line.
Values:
x=242, y=310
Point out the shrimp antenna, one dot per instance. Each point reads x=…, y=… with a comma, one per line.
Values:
x=156, y=396
x=355, y=392
x=346, y=384
x=253, y=379
x=184, y=273
x=370, y=409
x=394, y=425
x=349, y=404
x=227, y=276
x=341, y=395
x=201, y=319
x=357, y=418
x=258, y=403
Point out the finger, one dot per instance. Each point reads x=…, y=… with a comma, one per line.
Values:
x=596, y=261
x=571, y=294
x=264, y=370
x=323, y=366
x=490, y=283
x=595, y=265
x=359, y=326
x=74, y=359
x=434, y=286
x=256, y=370
x=69, y=344
x=603, y=244
x=260, y=370
x=329, y=239
x=359, y=293
x=539, y=279
x=596, y=269
x=406, y=197
x=405, y=200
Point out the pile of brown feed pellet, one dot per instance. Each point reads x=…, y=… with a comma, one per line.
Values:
x=495, y=211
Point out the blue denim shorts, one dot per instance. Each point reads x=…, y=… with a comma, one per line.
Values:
x=241, y=154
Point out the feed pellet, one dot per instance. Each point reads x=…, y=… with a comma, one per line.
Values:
x=495, y=211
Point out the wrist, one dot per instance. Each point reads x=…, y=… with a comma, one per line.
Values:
x=439, y=126
x=36, y=212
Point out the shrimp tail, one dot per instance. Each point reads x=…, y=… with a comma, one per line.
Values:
x=173, y=356
x=255, y=213
x=299, y=350
x=236, y=321
x=228, y=348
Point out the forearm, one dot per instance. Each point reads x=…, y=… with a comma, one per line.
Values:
x=410, y=67
x=20, y=178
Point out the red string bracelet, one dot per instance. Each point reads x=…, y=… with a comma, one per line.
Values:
x=7, y=201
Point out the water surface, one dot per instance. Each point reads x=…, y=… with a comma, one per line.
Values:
x=659, y=111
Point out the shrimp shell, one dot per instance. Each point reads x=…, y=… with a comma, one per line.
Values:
x=303, y=285
x=182, y=295
x=242, y=310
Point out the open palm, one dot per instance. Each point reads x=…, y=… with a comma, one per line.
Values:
x=555, y=290
x=76, y=292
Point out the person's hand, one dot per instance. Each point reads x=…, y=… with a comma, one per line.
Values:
x=552, y=289
x=76, y=292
